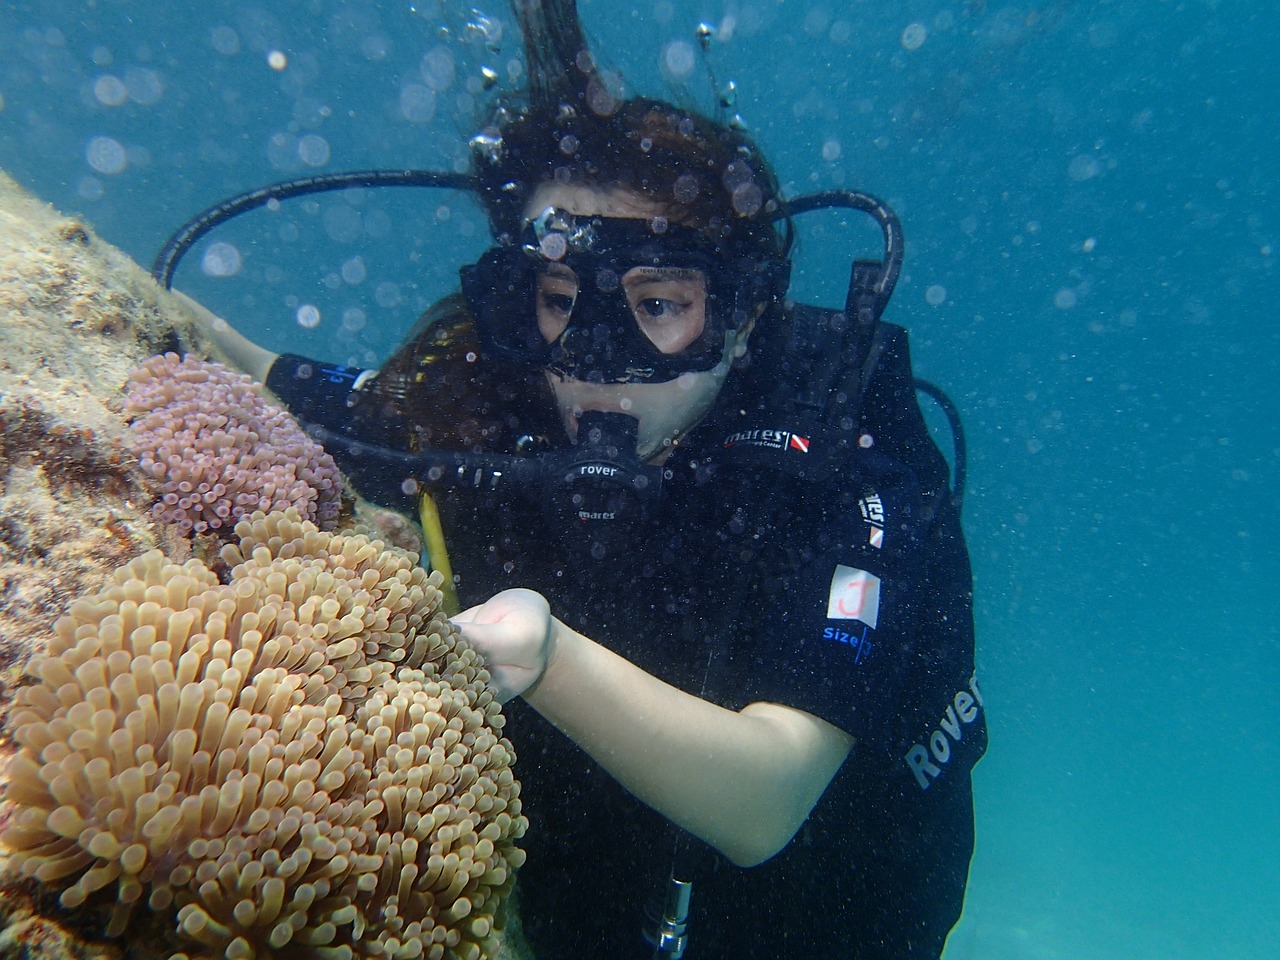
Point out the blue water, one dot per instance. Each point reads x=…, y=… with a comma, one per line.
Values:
x=1089, y=195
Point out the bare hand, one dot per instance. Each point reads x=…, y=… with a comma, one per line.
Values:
x=513, y=630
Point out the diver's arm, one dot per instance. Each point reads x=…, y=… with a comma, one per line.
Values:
x=743, y=782
x=239, y=350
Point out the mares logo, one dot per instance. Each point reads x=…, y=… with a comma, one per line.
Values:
x=872, y=509
x=769, y=439
x=961, y=711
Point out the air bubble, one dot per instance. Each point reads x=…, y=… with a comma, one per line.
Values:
x=1083, y=167
x=221, y=260
x=747, y=199
x=483, y=28
x=276, y=60
x=1065, y=299
x=313, y=150
x=106, y=155
x=354, y=272
x=831, y=150
x=914, y=36
x=553, y=246
x=679, y=58
x=90, y=188
x=308, y=316
x=353, y=319
x=144, y=86
x=935, y=294
x=438, y=68
x=387, y=295
x=225, y=41
x=417, y=103
x=686, y=188
x=110, y=91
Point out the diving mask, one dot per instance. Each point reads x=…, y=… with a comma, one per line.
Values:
x=615, y=300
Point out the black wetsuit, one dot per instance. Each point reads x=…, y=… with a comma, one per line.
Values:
x=783, y=564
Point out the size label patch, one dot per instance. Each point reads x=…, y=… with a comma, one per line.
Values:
x=855, y=595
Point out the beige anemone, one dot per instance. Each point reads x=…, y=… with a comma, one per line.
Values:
x=305, y=761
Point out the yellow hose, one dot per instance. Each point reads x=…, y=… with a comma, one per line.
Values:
x=437, y=554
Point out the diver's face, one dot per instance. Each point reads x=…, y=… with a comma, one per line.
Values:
x=669, y=308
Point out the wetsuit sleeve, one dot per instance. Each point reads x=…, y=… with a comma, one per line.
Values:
x=842, y=631
x=316, y=392
x=329, y=395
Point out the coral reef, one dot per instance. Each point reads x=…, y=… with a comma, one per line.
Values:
x=305, y=761
x=217, y=450
x=76, y=316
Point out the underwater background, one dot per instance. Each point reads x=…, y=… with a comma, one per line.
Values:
x=1088, y=191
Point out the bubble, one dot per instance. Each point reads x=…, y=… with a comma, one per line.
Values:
x=276, y=60
x=553, y=246
x=686, y=188
x=1083, y=167
x=282, y=151
x=308, y=316
x=106, y=155
x=914, y=35
x=387, y=295
x=481, y=28
x=1065, y=299
x=377, y=224
x=354, y=272
x=343, y=223
x=110, y=91
x=935, y=294
x=417, y=103
x=90, y=188
x=225, y=41
x=747, y=199
x=438, y=68
x=375, y=47
x=353, y=319
x=831, y=150
x=221, y=260
x=679, y=58
x=313, y=150
x=145, y=86
x=602, y=100
x=1089, y=245
x=568, y=144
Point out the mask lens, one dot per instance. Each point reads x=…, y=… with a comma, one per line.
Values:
x=555, y=294
x=669, y=305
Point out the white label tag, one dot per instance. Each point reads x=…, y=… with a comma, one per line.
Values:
x=855, y=595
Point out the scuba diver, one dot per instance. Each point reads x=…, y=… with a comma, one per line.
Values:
x=703, y=538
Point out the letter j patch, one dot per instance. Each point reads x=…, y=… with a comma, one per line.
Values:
x=855, y=595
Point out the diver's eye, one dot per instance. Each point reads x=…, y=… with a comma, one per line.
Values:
x=656, y=308
x=560, y=303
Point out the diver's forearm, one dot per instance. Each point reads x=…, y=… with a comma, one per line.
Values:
x=743, y=782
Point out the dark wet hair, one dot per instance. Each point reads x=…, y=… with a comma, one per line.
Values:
x=438, y=389
x=570, y=127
